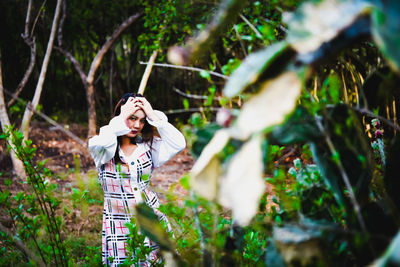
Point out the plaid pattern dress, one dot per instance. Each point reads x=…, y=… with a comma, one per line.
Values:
x=128, y=184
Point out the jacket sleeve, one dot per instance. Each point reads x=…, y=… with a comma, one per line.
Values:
x=170, y=143
x=102, y=147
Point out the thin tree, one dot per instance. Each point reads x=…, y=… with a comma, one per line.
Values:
x=5, y=123
x=39, y=86
x=88, y=79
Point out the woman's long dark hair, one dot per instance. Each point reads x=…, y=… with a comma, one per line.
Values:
x=148, y=132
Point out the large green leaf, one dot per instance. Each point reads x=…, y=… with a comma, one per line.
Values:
x=300, y=127
x=315, y=24
x=150, y=226
x=386, y=30
x=392, y=170
x=252, y=67
x=203, y=136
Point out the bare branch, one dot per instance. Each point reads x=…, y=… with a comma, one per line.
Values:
x=193, y=96
x=35, y=101
x=28, y=72
x=28, y=18
x=97, y=60
x=147, y=72
x=30, y=41
x=74, y=62
x=186, y=68
x=200, y=109
x=240, y=40
x=61, y=25
x=258, y=34
x=37, y=17
x=373, y=115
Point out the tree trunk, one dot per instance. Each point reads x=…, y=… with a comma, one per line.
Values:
x=91, y=110
x=38, y=91
x=5, y=122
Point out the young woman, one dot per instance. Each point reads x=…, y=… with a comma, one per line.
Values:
x=125, y=152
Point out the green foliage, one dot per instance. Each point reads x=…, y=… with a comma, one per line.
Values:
x=33, y=211
x=338, y=184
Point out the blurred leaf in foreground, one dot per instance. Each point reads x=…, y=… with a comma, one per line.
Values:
x=207, y=169
x=386, y=31
x=391, y=256
x=243, y=185
x=312, y=25
x=276, y=99
x=252, y=67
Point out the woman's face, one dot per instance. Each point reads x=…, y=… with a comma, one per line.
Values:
x=136, y=122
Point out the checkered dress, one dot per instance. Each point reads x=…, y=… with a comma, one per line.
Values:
x=127, y=184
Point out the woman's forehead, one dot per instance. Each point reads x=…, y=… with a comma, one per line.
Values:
x=140, y=114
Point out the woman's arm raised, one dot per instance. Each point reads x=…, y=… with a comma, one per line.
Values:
x=102, y=147
x=171, y=142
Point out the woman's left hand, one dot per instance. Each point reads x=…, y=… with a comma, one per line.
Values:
x=142, y=103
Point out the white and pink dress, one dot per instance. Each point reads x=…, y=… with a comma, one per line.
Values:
x=128, y=183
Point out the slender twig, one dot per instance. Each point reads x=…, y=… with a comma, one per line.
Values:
x=373, y=115
x=343, y=174
x=31, y=42
x=39, y=86
x=37, y=17
x=99, y=56
x=28, y=18
x=200, y=109
x=342, y=171
x=193, y=96
x=258, y=34
x=186, y=68
x=240, y=41
x=280, y=26
x=74, y=62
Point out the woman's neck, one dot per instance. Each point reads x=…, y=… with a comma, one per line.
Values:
x=126, y=146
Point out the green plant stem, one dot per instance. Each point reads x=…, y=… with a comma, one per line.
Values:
x=22, y=247
x=198, y=225
x=345, y=179
x=37, y=184
x=9, y=210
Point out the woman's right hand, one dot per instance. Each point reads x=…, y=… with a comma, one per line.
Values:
x=129, y=108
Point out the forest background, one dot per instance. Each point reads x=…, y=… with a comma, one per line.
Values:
x=289, y=107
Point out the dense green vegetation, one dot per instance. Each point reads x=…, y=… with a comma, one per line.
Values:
x=298, y=167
